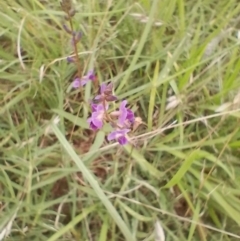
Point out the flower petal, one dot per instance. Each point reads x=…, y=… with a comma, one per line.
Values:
x=122, y=140
x=123, y=113
x=94, y=107
x=119, y=135
x=76, y=83
x=70, y=59
x=83, y=82
x=91, y=75
x=103, y=87
x=130, y=115
x=94, y=123
x=111, y=136
x=92, y=126
x=123, y=104
x=97, y=119
x=111, y=98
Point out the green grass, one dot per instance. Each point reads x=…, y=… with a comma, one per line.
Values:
x=63, y=181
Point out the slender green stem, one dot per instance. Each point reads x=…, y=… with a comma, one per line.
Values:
x=77, y=60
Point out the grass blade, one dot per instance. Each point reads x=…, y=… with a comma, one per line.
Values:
x=94, y=184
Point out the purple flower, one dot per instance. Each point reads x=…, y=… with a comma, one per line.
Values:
x=105, y=93
x=119, y=135
x=84, y=80
x=67, y=29
x=77, y=83
x=70, y=60
x=97, y=118
x=76, y=36
x=90, y=75
x=125, y=113
x=94, y=107
x=101, y=91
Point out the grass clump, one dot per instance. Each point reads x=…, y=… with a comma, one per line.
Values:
x=176, y=63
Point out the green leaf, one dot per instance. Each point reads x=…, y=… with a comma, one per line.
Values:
x=143, y=163
x=74, y=119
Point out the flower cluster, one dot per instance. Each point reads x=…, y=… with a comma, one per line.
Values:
x=121, y=120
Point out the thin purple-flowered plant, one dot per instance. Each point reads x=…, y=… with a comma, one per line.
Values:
x=121, y=119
